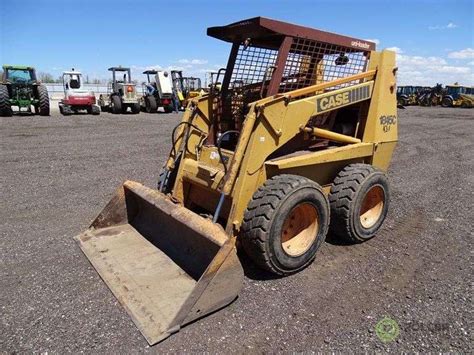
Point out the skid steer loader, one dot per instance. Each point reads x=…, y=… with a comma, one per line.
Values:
x=295, y=142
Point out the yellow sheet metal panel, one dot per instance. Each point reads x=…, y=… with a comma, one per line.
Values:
x=383, y=155
x=323, y=156
x=340, y=98
x=382, y=120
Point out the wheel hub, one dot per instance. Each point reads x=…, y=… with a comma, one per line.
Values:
x=372, y=207
x=300, y=229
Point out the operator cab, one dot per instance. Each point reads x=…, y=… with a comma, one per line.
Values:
x=456, y=90
x=19, y=75
x=270, y=58
x=72, y=80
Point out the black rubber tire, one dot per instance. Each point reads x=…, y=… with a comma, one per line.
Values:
x=402, y=102
x=115, y=104
x=43, y=98
x=5, y=108
x=168, y=109
x=346, y=197
x=135, y=108
x=89, y=110
x=150, y=104
x=263, y=221
x=447, y=102
x=95, y=110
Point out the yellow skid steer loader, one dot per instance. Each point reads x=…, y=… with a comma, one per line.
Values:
x=295, y=142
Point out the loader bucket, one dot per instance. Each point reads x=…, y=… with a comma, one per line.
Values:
x=164, y=263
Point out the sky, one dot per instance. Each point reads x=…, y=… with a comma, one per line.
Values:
x=434, y=39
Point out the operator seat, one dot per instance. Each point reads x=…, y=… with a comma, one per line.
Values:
x=74, y=84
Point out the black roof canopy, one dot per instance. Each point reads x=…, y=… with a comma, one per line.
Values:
x=119, y=68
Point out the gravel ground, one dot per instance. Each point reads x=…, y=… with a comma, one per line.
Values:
x=57, y=173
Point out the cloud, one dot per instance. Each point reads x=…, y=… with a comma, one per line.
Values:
x=471, y=63
x=467, y=53
x=193, y=61
x=395, y=49
x=375, y=40
x=449, y=26
x=419, y=70
x=146, y=67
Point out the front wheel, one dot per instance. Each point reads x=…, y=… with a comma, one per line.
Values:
x=402, y=102
x=285, y=224
x=447, y=102
x=359, y=199
x=135, y=108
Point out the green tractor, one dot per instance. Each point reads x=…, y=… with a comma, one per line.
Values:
x=19, y=87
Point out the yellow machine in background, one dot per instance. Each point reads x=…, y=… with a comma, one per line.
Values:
x=458, y=96
x=186, y=88
x=295, y=142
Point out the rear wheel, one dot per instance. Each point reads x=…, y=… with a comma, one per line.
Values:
x=447, y=102
x=168, y=109
x=150, y=104
x=116, y=104
x=359, y=199
x=95, y=110
x=135, y=108
x=43, y=98
x=5, y=108
x=285, y=224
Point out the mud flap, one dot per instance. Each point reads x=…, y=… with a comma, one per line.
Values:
x=165, y=264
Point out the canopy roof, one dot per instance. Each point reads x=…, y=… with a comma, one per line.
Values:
x=269, y=33
x=18, y=67
x=119, y=68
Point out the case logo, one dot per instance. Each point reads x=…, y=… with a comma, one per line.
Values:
x=343, y=98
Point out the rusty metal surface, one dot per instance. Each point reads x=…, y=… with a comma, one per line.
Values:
x=273, y=31
x=158, y=258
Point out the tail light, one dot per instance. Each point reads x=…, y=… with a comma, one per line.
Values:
x=166, y=102
x=129, y=88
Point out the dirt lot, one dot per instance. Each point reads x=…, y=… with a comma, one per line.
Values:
x=57, y=173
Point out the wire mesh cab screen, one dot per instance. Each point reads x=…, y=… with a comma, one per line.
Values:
x=310, y=63
x=251, y=64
